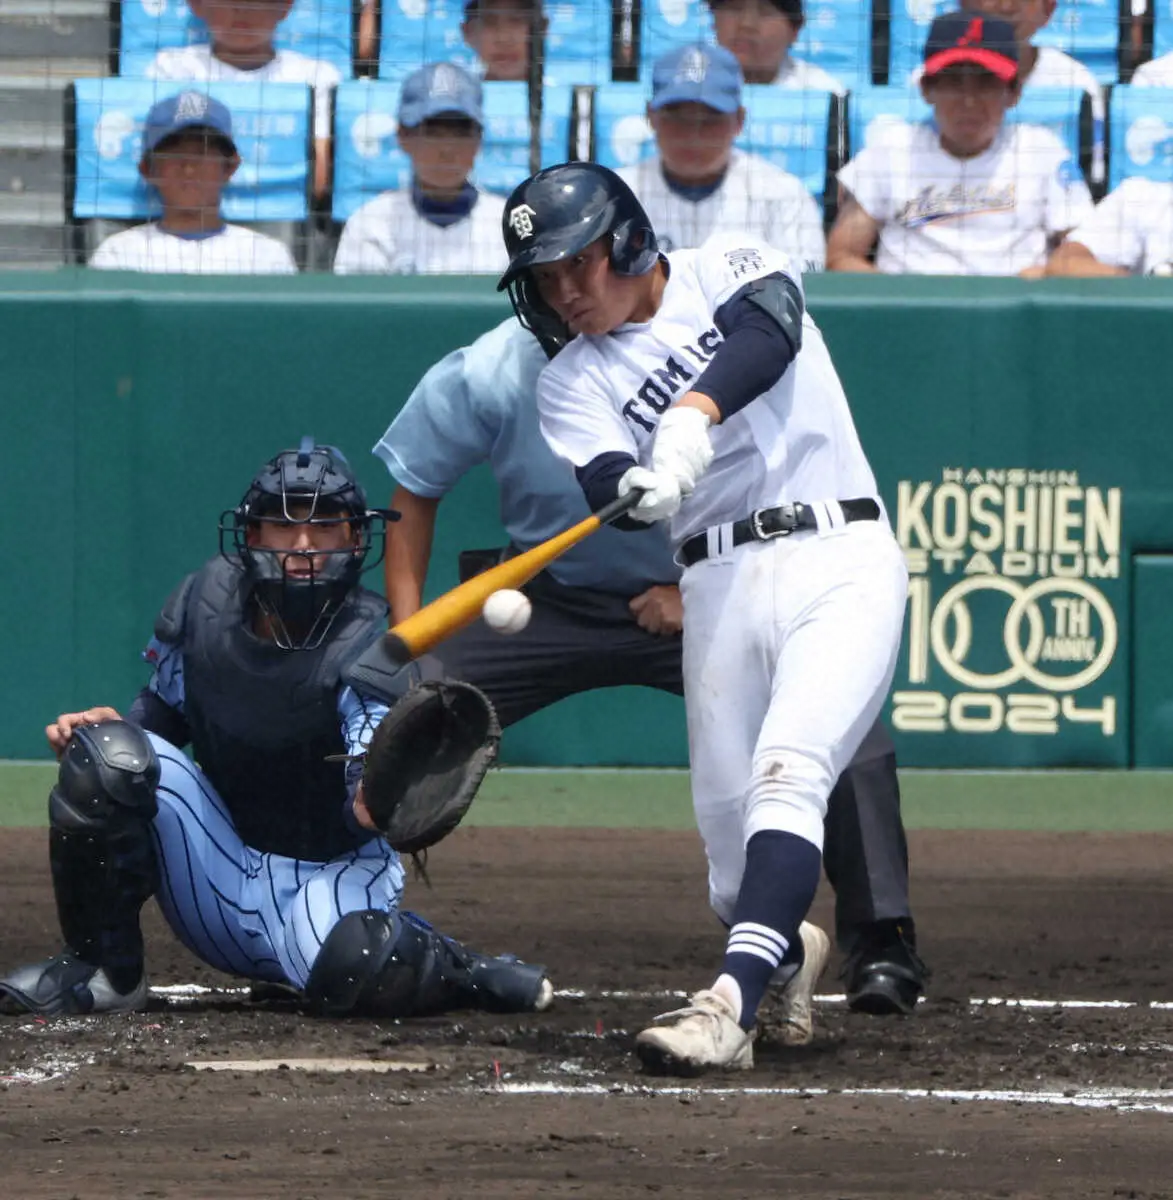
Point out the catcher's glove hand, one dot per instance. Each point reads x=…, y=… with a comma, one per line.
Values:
x=426, y=761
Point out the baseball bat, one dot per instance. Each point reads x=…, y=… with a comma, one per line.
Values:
x=452, y=611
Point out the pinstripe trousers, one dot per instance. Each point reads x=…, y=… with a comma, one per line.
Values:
x=260, y=916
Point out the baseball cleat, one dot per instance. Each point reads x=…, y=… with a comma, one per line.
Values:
x=545, y=996
x=796, y=1013
x=691, y=1040
x=884, y=974
x=65, y=984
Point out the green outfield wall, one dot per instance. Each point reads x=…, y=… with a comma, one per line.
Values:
x=1022, y=434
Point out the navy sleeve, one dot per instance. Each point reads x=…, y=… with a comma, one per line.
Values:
x=599, y=481
x=762, y=326
x=150, y=712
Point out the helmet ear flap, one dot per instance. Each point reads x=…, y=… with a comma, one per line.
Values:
x=634, y=249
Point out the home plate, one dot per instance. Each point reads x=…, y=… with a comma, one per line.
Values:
x=378, y=1066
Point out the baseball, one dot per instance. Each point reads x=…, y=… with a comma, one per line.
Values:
x=507, y=611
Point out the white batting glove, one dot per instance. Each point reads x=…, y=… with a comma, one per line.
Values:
x=682, y=447
x=661, y=494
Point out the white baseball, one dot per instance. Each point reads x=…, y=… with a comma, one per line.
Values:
x=507, y=611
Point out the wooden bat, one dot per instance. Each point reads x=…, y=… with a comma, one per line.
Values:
x=451, y=612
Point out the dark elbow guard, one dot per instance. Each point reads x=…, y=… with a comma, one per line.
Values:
x=780, y=298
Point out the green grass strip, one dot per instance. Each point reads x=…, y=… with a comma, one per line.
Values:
x=1055, y=801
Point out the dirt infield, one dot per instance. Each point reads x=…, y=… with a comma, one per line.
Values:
x=1027, y=1101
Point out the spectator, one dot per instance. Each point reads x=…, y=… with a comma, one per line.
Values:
x=1157, y=72
x=1044, y=66
x=699, y=184
x=241, y=50
x=188, y=157
x=442, y=224
x=965, y=193
x=1129, y=233
x=760, y=33
x=500, y=33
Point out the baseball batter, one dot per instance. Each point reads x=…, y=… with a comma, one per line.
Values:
x=262, y=857
x=607, y=613
x=699, y=380
x=188, y=157
x=967, y=193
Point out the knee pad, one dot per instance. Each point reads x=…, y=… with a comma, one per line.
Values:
x=353, y=957
x=107, y=778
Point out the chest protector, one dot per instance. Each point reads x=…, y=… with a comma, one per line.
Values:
x=264, y=720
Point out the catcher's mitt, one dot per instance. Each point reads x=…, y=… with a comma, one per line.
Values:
x=426, y=761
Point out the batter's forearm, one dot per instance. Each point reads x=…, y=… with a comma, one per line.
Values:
x=409, y=550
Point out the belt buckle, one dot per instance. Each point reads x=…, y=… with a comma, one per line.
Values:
x=788, y=515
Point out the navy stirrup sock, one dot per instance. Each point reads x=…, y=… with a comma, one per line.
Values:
x=781, y=875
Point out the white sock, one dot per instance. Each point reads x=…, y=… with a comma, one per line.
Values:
x=729, y=989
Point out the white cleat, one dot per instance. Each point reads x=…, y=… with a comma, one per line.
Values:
x=796, y=1015
x=701, y=1037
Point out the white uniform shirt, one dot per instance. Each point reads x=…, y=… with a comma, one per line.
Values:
x=987, y=215
x=1158, y=72
x=233, y=251
x=795, y=441
x=755, y=197
x=197, y=63
x=388, y=236
x=796, y=75
x=1131, y=227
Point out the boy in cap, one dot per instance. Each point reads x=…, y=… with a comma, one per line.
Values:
x=965, y=193
x=188, y=157
x=760, y=33
x=443, y=224
x=500, y=33
x=698, y=184
x=241, y=49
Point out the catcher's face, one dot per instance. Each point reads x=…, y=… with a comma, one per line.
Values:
x=303, y=545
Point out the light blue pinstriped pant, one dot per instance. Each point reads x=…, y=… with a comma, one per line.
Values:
x=261, y=916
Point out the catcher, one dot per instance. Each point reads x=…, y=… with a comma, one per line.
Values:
x=276, y=858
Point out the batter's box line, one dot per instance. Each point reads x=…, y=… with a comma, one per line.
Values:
x=1121, y=1099
x=177, y=993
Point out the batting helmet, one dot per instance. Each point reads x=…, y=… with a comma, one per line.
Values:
x=557, y=213
x=312, y=485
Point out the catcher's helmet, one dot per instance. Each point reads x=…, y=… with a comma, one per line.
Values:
x=312, y=485
x=554, y=215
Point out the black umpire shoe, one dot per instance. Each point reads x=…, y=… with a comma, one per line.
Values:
x=884, y=973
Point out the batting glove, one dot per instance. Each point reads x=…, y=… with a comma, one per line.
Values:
x=682, y=447
x=661, y=494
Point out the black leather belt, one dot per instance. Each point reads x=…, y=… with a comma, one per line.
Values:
x=769, y=523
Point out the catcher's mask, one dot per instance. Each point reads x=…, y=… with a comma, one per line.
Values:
x=557, y=213
x=301, y=589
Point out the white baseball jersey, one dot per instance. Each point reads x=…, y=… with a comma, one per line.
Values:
x=197, y=63
x=234, y=250
x=388, y=236
x=755, y=197
x=1157, y=72
x=794, y=442
x=988, y=215
x=796, y=75
x=1131, y=227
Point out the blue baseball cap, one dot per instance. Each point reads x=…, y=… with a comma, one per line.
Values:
x=440, y=89
x=188, y=110
x=702, y=74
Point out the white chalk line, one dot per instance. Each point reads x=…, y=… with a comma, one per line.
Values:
x=1122, y=1099
x=177, y=993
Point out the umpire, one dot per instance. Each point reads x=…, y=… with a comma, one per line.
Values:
x=607, y=613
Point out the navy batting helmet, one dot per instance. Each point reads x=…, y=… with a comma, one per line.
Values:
x=310, y=486
x=557, y=213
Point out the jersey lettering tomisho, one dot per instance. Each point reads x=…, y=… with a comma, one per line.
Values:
x=796, y=441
